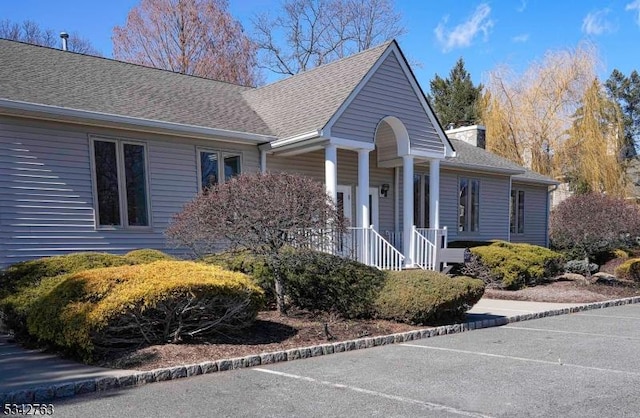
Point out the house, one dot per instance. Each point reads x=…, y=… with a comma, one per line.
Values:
x=98, y=155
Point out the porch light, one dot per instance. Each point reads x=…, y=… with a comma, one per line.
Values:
x=384, y=190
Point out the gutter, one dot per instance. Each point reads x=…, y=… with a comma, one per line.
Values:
x=483, y=168
x=279, y=143
x=56, y=113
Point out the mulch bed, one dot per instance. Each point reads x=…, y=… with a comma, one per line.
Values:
x=270, y=332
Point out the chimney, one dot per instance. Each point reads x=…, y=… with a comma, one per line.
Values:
x=474, y=135
x=64, y=36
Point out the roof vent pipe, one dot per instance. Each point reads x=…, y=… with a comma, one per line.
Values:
x=64, y=36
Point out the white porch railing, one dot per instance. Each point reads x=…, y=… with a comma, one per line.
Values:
x=427, y=243
x=369, y=247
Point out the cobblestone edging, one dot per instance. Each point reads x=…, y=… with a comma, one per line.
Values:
x=65, y=390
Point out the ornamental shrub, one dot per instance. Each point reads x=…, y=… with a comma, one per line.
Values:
x=147, y=255
x=323, y=282
x=512, y=266
x=421, y=297
x=580, y=267
x=629, y=270
x=30, y=273
x=593, y=225
x=250, y=264
x=94, y=311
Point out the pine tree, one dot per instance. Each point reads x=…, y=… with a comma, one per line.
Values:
x=626, y=91
x=455, y=99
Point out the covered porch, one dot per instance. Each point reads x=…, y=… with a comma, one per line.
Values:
x=374, y=186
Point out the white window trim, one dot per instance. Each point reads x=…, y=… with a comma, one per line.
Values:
x=468, y=204
x=222, y=154
x=122, y=196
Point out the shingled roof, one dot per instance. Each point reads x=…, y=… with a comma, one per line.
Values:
x=475, y=158
x=69, y=80
x=305, y=102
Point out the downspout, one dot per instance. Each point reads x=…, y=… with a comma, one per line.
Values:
x=511, y=209
x=549, y=191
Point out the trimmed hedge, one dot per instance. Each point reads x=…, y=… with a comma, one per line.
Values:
x=420, y=297
x=323, y=282
x=513, y=266
x=147, y=255
x=580, y=267
x=249, y=264
x=629, y=270
x=95, y=311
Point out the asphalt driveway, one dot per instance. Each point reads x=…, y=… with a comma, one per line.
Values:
x=581, y=365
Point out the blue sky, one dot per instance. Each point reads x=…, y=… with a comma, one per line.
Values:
x=484, y=33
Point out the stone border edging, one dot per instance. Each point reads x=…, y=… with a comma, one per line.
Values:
x=68, y=389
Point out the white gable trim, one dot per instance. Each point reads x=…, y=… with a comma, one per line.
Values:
x=393, y=49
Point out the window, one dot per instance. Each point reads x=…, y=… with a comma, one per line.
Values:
x=421, y=200
x=120, y=175
x=516, y=210
x=469, y=205
x=211, y=171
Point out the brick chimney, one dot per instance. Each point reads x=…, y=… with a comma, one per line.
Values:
x=474, y=135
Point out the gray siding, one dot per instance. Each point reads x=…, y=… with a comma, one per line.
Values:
x=312, y=164
x=388, y=93
x=535, y=214
x=46, y=195
x=494, y=206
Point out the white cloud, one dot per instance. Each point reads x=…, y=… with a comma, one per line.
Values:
x=523, y=6
x=462, y=35
x=520, y=38
x=596, y=23
x=634, y=6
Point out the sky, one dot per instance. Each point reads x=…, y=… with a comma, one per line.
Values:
x=486, y=34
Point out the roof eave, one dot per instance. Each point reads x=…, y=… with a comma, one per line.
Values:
x=64, y=114
x=482, y=168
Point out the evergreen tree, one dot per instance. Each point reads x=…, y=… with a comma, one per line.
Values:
x=455, y=99
x=626, y=91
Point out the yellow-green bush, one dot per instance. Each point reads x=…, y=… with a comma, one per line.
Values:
x=250, y=264
x=29, y=273
x=513, y=266
x=97, y=310
x=147, y=255
x=420, y=297
x=629, y=270
x=620, y=253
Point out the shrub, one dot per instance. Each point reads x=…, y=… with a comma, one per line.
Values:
x=419, y=297
x=629, y=270
x=580, y=267
x=29, y=273
x=98, y=310
x=513, y=266
x=147, y=255
x=249, y=264
x=323, y=282
x=620, y=253
x=593, y=225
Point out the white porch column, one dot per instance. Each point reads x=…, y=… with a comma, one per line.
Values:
x=434, y=194
x=331, y=171
x=263, y=161
x=407, y=209
x=363, y=188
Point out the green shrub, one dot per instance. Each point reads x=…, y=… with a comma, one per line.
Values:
x=99, y=310
x=147, y=255
x=468, y=244
x=249, y=264
x=323, y=282
x=420, y=297
x=580, y=267
x=629, y=270
x=29, y=273
x=513, y=266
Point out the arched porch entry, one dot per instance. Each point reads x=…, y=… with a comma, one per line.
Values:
x=393, y=146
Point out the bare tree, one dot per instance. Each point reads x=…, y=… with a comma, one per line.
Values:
x=30, y=32
x=196, y=37
x=309, y=33
x=263, y=213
